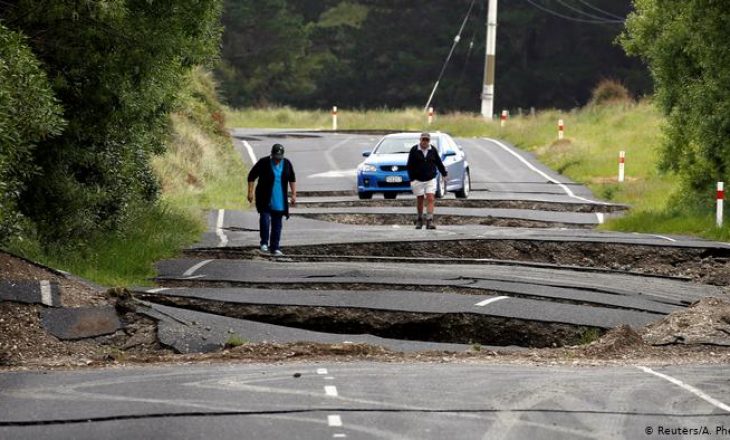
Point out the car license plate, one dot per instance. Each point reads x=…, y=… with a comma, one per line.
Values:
x=393, y=179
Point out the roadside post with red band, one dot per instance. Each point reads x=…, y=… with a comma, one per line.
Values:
x=621, y=160
x=561, y=128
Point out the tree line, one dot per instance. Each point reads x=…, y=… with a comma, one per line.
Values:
x=388, y=53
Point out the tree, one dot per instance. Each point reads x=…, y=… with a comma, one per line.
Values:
x=29, y=113
x=685, y=45
x=115, y=66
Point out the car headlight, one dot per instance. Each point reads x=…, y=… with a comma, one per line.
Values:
x=368, y=168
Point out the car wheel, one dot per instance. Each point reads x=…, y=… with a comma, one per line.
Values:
x=440, y=187
x=390, y=195
x=365, y=195
x=463, y=193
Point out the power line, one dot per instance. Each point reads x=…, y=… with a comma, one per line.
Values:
x=457, y=38
x=597, y=9
x=567, y=17
x=580, y=11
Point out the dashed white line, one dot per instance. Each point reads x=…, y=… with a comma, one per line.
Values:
x=330, y=390
x=567, y=190
x=329, y=378
x=490, y=300
x=158, y=289
x=334, y=420
x=219, y=228
x=665, y=238
x=46, y=297
x=251, y=155
x=321, y=371
x=194, y=277
x=709, y=399
x=192, y=270
x=339, y=435
x=601, y=218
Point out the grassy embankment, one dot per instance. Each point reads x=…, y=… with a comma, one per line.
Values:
x=589, y=153
x=199, y=171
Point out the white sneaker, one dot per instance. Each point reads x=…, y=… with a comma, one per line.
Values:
x=277, y=253
x=264, y=248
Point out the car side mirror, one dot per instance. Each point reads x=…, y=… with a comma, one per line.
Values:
x=450, y=153
x=366, y=154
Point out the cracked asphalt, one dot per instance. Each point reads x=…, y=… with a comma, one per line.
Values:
x=337, y=273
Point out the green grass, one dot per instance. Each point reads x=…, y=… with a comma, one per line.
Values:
x=594, y=135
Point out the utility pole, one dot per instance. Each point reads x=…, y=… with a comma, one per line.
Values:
x=489, y=61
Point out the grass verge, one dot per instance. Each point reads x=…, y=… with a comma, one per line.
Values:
x=589, y=153
x=200, y=170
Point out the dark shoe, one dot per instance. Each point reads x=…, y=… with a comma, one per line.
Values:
x=419, y=223
x=430, y=225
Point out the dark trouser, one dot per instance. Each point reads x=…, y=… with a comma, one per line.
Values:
x=270, y=224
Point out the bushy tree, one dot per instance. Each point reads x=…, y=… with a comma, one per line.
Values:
x=28, y=114
x=115, y=66
x=685, y=45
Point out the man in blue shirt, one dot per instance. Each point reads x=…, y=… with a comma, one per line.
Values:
x=275, y=175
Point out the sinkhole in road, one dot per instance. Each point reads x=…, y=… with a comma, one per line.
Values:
x=469, y=203
x=407, y=220
x=459, y=328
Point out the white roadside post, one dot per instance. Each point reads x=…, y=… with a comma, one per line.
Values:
x=334, y=118
x=430, y=115
x=720, y=202
x=503, y=118
x=621, y=160
x=561, y=129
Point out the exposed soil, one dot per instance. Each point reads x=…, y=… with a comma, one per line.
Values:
x=439, y=219
x=470, y=203
x=705, y=322
x=460, y=328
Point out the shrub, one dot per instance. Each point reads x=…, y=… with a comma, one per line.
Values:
x=610, y=91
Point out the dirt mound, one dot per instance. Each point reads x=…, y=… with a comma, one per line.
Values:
x=619, y=340
x=706, y=322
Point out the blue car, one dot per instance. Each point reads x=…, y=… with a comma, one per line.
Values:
x=384, y=170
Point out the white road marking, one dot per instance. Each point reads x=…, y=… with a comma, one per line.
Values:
x=158, y=289
x=329, y=378
x=339, y=435
x=690, y=388
x=567, y=190
x=328, y=153
x=334, y=420
x=330, y=390
x=192, y=270
x=335, y=174
x=321, y=371
x=251, y=155
x=219, y=228
x=46, y=297
x=192, y=277
x=665, y=238
x=600, y=217
x=490, y=300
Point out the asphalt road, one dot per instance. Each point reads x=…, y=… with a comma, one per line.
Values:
x=365, y=401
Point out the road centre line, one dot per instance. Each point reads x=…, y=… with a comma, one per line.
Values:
x=600, y=217
x=251, y=154
x=157, y=290
x=321, y=371
x=330, y=390
x=339, y=435
x=709, y=399
x=567, y=190
x=665, y=238
x=490, y=300
x=328, y=153
x=46, y=297
x=334, y=420
x=192, y=270
x=219, y=228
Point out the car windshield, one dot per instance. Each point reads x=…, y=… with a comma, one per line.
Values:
x=398, y=145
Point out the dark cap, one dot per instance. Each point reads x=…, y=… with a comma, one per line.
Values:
x=426, y=135
x=277, y=151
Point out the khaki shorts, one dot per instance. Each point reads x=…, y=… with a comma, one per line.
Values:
x=420, y=188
